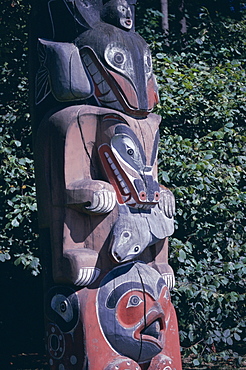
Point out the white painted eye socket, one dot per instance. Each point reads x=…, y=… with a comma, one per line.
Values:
x=119, y=58
x=127, y=149
x=121, y=9
x=134, y=301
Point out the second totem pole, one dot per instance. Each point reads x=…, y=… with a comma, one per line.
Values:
x=104, y=218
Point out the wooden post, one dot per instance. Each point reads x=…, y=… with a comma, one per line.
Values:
x=104, y=219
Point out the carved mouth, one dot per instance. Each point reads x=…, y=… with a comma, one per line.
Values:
x=152, y=330
x=124, y=188
x=153, y=333
x=107, y=91
x=122, y=185
x=128, y=22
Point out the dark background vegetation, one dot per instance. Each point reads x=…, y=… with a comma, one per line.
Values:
x=200, y=70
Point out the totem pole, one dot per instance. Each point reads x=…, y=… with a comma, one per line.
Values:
x=104, y=219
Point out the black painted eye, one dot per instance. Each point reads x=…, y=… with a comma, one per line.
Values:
x=130, y=151
x=63, y=306
x=136, y=249
x=118, y=58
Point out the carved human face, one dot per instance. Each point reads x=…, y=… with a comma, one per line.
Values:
x=137, y=309
x=118, y=13
x=125, y=14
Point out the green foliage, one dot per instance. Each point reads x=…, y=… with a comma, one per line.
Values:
x=197, y=98
x=207, y=176
x=201, y=77
x=17, y=190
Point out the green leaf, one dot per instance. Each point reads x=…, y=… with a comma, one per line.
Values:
x=182, y=255
x=196, y=362
x=15, y=222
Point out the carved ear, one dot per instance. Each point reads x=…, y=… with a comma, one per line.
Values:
x=61, y=72
x=87, y=10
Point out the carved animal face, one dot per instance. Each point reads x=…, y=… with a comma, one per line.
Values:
x=135, y=300
x=128, y=169
x=130, y=235
x=120, y=67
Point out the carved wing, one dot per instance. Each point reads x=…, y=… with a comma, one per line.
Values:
x=61, y=59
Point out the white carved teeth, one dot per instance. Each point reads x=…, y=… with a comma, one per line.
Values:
x=113, y=166
x=117, y=174
x=108, y=158
x=126, y=190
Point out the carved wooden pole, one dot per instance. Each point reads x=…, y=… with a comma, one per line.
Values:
x=104, y=219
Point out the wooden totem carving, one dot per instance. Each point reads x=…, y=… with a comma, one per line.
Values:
x=104, y=219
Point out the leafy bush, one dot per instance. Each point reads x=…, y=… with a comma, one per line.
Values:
x=197, y=98
x=17, y=190
x=203, y=160
x=208, y=250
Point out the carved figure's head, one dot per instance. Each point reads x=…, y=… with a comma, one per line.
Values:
x=120, y=67
x=117, y=13
x=130, y=168
x=136, y=302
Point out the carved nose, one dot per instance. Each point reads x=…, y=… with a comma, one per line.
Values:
x=157, y=196
x=128, y=14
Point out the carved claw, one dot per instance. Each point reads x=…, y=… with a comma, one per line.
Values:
x=91, y=196
x=123, y=364
x=87, y=276
x=167, y=203
x=166, y=272
x=103, y=201
x=169, y=280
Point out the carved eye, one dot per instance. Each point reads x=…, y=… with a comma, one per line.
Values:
x=119, y=58
x=63, y=306
x=134, y=301
x=122, y=9
x=130, y=151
